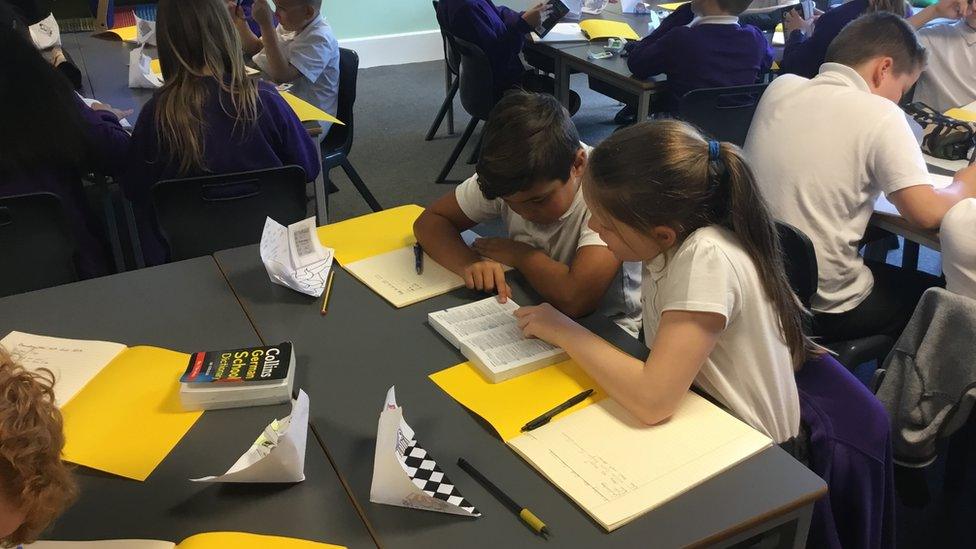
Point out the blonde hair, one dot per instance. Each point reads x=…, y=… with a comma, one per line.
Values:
x=32, y=473
x=197, y=42
x=661, y=174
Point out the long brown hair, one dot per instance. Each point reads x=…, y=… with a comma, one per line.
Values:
x=198, y=42
x=32, y=474
x=659, y=173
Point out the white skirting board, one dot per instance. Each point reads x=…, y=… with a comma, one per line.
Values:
x=396, y=49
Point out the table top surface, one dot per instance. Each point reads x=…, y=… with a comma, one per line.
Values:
x=351, y=357
x=185, y=306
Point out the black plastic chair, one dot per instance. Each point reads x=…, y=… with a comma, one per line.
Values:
x=201, y=215
x=723, y=113
x=338, y=143
x=800, y=259
x=36, y=244
x=452, y=68
x=477, y=95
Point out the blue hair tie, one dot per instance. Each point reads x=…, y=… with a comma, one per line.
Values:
x=713, y=150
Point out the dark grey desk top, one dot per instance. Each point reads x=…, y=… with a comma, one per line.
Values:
x=105, y=66
x=184, y=306
x=363, y=346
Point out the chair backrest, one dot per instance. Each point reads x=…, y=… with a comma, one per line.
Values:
x=201, y=215
x=800, y=260
x=723, y=113
x=450, y=51
x=477, y=88
x=339, y=138
x=36, y=245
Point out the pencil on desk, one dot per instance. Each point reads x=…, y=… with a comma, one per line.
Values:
x=327, y=293
x=523, y=513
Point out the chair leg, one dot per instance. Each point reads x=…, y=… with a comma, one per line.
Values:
x=476, y=151
x=360, y=186
x=449, y=82
x=468, y=130
x=447, y=107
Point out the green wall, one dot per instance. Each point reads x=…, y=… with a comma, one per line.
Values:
x=359, y=18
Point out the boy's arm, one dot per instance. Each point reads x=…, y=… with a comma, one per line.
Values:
x=574, y=289
x=655, y=57
x=924, y=206
x=947, y=9
x=278, y=67
x=678, y=18
x=250, y=43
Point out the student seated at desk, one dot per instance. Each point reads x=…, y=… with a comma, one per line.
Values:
x=823, y=150
x=209, y=117
x=46, y=35
x=35, y=484
x=528, y=175
x=301, y=50
x=807, y=39
x=949, y=80
x=500, y=33
x=58, y=140
x=700, y=45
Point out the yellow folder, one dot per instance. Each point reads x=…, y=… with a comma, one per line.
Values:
x=597, y=29
x=672, y=6
x=961, y=114
x=126, y=34
x=128, y=418
x=306, y=111
x=209, y=540
x=509, y=405
x=371, y=234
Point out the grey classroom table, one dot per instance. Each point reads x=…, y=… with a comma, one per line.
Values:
x=363, y=346
x=185, y=306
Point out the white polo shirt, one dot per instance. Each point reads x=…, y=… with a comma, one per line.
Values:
x=750, y=370
x=822, y=151
x=949, y=79
x=958, y=238
x=314, y=52
x=560, y=240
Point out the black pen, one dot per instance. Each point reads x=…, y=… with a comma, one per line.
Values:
x=546, y=417
x=418, y=258
x=533, y=522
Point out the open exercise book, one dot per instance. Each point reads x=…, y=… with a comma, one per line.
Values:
x=487, y=334
x=121, y=405
x=210, y=540
x=377, y=249
x=612, y=465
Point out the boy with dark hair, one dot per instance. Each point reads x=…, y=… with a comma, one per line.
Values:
x=700, y=45
x=824, y=149
x=529, y=174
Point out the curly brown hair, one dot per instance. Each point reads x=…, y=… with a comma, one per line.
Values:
x=32, y=473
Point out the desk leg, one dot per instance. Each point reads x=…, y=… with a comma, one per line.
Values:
x=909, y=255
x=643, y=105
x=562, y=81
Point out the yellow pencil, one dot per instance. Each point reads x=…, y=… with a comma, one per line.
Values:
x=328, y=292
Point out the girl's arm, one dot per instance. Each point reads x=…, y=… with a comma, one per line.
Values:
x=651, y=391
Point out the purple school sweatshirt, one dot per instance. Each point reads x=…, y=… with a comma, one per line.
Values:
x=704, y=56
x=497, y=30
x=803, y=55
x=108, y=146
x=277, y=138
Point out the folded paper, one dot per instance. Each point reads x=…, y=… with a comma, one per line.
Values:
x=140, y=71
x=404, y=474
x=278, y=454
x=294, y=257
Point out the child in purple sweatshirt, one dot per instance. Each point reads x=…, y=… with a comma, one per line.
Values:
x=700, y=45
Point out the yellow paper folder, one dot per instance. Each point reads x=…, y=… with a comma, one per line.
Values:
x=371, y=234
x=961, y=114
x=598, y=29
x=210, y=540
x=121, y=406
x=306, y=111
x=126, y=34
x=672, y=6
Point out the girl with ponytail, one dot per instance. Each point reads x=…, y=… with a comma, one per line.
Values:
x=718, y=310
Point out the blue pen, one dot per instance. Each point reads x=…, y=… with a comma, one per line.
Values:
x=418, y=258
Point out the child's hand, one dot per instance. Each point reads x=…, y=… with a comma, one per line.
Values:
x=502, y=250
x=792, y=21
x=487, y=276
x=262, y=15
x=120, y=114
x=544, y=322
x=952, y=9
x=533, y=16
x=235, y=10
